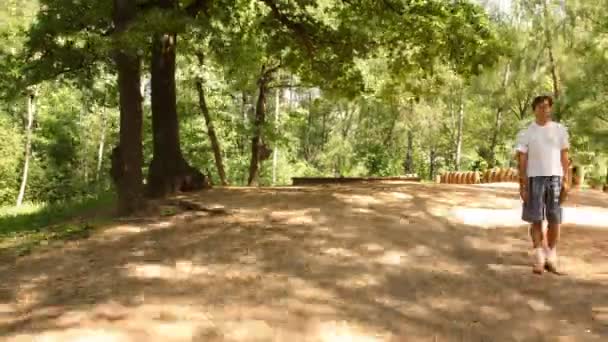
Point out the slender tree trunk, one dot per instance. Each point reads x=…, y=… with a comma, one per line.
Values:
x=258, y=150
x=169, y=172
x=459, y=133
x=215, y=144
x=127, y=157
x=432, y=157
x=552, y=62
x=498, y=121
x=394, y=119
x=85, y=146
x=102, y=142
x=275, y=153
x=409, y=160
x=28, y=146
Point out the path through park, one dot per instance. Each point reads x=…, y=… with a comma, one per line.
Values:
x=375, y=262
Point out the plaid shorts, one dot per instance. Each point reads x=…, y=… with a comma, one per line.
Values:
x=543, y=200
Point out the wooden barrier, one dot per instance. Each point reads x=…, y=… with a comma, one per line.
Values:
x=495, y=175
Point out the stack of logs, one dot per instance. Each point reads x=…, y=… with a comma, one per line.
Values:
x=476, y=177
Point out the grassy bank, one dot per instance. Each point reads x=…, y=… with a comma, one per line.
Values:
x=32, y=224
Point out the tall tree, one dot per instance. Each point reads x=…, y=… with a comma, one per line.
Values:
x=215, y=143
x=127, y=157
x=169, y=171
x=31, y=98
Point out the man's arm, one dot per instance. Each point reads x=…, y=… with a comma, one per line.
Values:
x=522, y=165
x=565, y=166
x=565, y=146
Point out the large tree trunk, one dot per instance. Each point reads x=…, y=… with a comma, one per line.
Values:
x=215, y=144
x=259, y=150
x=28, y=146
x=169, y=172
x=498, y=121
x=458, y=153
x=127, y=157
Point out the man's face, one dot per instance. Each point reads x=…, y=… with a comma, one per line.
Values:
x=543, y=110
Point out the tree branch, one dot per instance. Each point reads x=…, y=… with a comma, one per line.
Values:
x=297, y=28
x=286, y=86
x=197, y=6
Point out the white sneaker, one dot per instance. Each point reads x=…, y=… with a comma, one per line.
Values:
x=539, y=261
x=551, y=261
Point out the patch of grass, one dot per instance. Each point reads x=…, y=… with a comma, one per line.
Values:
x=29, y=225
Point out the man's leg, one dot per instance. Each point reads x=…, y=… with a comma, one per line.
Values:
x=536, y=232
x=554, y=216
x=534, y=213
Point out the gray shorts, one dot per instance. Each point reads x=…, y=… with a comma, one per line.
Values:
x=543, y=200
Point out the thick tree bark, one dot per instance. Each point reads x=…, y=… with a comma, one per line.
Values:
x=259, y=151
x=215, y=144
x=127, y=157
x=28, y=146
x=459, y=133
x=498, y=121
x=169, y=172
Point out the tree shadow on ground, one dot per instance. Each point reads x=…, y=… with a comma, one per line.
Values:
x=318, y=263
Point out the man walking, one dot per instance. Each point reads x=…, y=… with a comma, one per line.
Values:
x=543, y=166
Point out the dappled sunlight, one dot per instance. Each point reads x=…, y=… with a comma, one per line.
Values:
x=77, y=334
x=394, y=196
x=503, y=218
x=304, y=216
x=372, y=265
x=339, y=252
x=344, y=332
x=306, y=290
x=185, y=270
x=448, y=304
x=392, y=258
x=495, y=313
x=161, y=225
x=372, y=247
x=354, y=199
x=486, y=218
x=587, y=216
x=362, y=210
x=124, y=229
x=443, y=266
x=360, y=281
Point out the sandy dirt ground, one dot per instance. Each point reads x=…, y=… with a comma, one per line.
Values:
x=373, y=262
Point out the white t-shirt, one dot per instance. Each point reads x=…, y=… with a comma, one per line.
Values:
x=543, y=144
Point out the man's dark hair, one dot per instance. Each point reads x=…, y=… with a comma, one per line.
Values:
x=540, y=99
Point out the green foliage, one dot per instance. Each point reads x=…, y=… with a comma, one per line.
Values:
x=355, y=81
x=33, y=224
x=11, y=153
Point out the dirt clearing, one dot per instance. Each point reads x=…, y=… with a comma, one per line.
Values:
x=377, y=262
